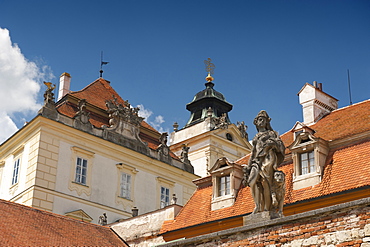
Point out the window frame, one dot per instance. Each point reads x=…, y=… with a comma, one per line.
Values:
x=127, y=203
x=165, y=183
x=81, y=171
x=224, y=185
x=125, y=186
x=16, y=170
x=310, y=166
x=164, y=197
x=78, y=185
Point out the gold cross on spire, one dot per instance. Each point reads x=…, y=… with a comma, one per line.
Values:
x=209, y=68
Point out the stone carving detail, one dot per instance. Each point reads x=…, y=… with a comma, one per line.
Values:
x=221, y=122
x=163, y=149
x=184, y=157
x=121, y=115
x=278, y=192
x=261, y=173
x=82, y=117
x=118, y=113
x=48, y=110
x=49, y=95
x=124, y=126
x=243, y=129
x=102, y=219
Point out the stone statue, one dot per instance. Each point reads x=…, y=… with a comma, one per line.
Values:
x=184, y=157
x=163, y=138
x=82, y=115
x=102, y=219
x=243, y=129
x=49, y=95
x=221, y=122
x=278, y=192
x=267, y=155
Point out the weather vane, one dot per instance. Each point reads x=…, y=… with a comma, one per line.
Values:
x=209, y=66
x=101, y=64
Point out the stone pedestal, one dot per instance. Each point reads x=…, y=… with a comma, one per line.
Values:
x=260, y=217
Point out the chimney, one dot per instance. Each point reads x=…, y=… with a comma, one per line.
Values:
x=135, y=211
x=64, y=85
x=315, y=103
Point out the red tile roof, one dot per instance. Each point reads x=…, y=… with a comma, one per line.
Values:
x=97, y=93
x=347, y=167
x=25, y=226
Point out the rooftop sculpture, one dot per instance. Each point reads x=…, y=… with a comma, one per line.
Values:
x=261, y=175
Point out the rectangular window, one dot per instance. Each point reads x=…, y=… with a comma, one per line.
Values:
x=125, y=186
x=224, y=186
x=307, y=162
x=165, y=197
x=16, y=171
x=81, y=171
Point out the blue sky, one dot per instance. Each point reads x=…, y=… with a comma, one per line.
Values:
x=264, y=52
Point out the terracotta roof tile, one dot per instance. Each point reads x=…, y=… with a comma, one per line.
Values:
x=346, y=168
x=97, y=93
x=25, y=226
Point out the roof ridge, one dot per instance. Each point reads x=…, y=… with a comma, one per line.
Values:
x=86, y=87
x=358, y=103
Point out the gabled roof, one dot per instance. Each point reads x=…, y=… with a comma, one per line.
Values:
x=347, y=168
x=25, y=226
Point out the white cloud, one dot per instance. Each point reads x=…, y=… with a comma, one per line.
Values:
x=7, y=126
x=19, y=82
x=158, y=120
x=145, y=113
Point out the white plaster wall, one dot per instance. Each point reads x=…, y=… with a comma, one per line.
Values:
x=63, y=205
x=7, y=174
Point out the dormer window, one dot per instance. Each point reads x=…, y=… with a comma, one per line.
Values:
x=309, y=154
x=226, y=181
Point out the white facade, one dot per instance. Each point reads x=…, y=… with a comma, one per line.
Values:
x=48, y=152
x=208, y=144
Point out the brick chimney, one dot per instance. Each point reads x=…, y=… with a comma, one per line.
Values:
x=64, y=85
x=315, y=103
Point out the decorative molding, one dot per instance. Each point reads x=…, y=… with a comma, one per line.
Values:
x=78, y=152
x=79, y=215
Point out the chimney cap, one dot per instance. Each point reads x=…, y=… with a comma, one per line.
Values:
x=65, y=74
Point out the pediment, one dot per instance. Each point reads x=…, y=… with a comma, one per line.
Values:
x=79, y=215
x=221, y=162
x=303, y=138
x=301, y=126
x=236, y=136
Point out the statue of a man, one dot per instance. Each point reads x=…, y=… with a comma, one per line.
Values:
x=267, y=155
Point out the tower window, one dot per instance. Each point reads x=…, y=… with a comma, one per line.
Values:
x=229, y=137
